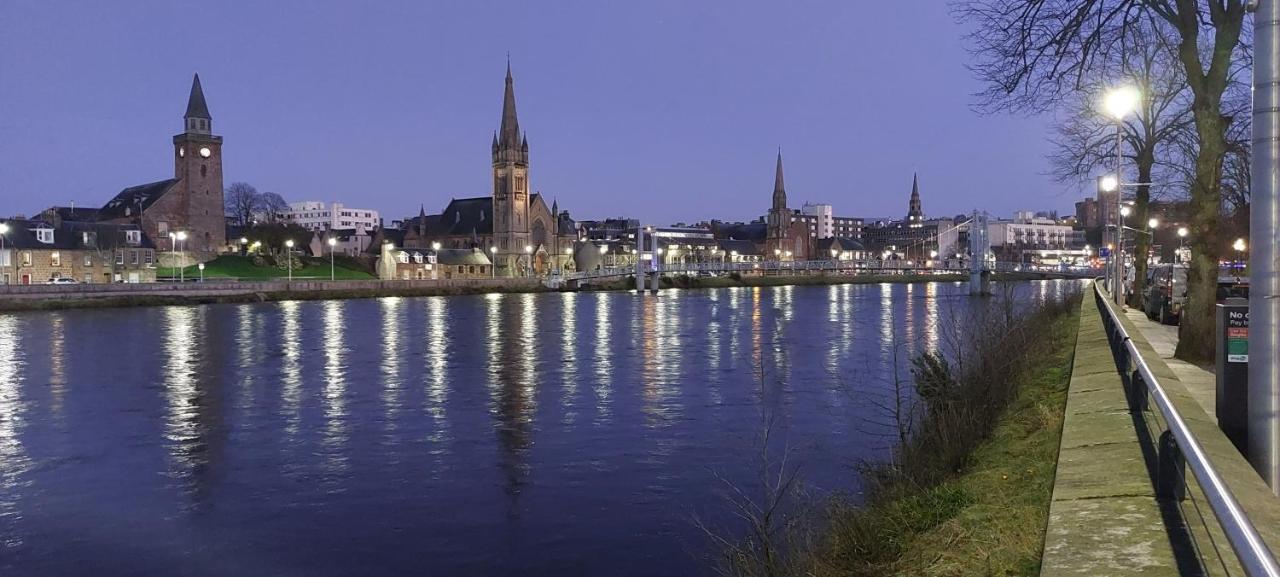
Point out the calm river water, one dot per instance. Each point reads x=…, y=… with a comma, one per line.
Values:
x=548, y=434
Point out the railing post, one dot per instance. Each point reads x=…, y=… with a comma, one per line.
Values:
x=1137, y=393
x=1171, y=482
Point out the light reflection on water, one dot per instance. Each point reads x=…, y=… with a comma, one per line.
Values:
x=538, y=434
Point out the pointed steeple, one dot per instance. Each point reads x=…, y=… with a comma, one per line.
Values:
x=197, y=119
x=914, y=211
x=509, y=131
x=779, y=190
x=422, y=210
x=196, y=107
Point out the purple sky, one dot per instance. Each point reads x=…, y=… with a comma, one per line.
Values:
x=666, y=111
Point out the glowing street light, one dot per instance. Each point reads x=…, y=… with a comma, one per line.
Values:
x=493, y=262
x=1121, y=101
x=1153, y=223
x=1118, y=103
x=1109, y=183
x=1124, y=211
x=332, y=242
x=528, y=250
x=288, y=256
x=201, y=267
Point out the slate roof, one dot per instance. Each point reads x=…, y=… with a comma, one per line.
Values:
x=136, y=199
x=743, y=247
x=69, y=235
x=753, y=231
x=449, y=256
x=80, y=214
x=842, y=243
x=463, y=216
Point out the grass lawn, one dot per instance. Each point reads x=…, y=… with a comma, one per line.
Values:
x=990, y=518
x=241, y=267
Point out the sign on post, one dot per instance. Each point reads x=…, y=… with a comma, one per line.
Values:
x=1232, y=372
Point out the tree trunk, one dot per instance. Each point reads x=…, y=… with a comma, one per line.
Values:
x=1196, y=326
x=1142, y=242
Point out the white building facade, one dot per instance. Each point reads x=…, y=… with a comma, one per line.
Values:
x=318, y=216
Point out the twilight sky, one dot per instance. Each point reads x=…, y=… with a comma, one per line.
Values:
x=663, y=110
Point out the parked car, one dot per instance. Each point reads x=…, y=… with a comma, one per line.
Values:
x=62, y=280
x=1166, y=292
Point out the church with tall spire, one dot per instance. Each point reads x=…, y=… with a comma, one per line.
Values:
x=512, y=228
x=786, y=238
x=191, y=202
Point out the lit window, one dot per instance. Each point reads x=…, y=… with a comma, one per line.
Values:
x=119, y=257
x=88, y=260
x=55, y=258
x=26, y=258
x=44, y=235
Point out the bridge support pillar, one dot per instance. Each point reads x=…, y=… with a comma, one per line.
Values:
x=979, y=246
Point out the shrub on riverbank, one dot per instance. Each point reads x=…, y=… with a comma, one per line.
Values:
x=967, y=489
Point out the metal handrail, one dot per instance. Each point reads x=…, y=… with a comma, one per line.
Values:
x=1250, y=549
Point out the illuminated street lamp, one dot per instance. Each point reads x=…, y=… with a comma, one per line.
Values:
x=1239, y=246
x=288, y=256
x=332, y=242
x=493, y=262
x=1182, y=236
x=528, y=250
x=1118, y=103
x=1109, y=183
x=4, y=229
x=201, y=267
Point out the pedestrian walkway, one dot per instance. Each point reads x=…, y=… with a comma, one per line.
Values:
x=1200, y=382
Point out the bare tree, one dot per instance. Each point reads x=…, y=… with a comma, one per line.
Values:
x=273, y=206
x=242, y=200
x=1085, y=143
x=1033, y=53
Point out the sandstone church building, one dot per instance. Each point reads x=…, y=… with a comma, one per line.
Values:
x=191, y=201
x=513, y=227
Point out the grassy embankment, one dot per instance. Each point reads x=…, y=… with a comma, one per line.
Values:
x=970, y=494
x=243, y=268
x=967, y=488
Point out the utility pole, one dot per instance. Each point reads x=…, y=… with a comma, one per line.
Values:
x=1264, y=233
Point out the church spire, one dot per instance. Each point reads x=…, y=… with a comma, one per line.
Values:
x=197, y=119
x=509, y=132
x=914, y=211
x=196, y=107
x=510, y=144
x=779, y=190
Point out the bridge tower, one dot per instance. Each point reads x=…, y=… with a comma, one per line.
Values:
x=979, y=247
x=650, y=269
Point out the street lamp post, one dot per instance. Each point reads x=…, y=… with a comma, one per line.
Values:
x=1119, y=103
x=493, y=262
x=435, y=260
x=1121, y=269
x=1182, y=235
x=1239, y=245
x=4, y=229
x=528, y=251
x=288, y=257
x=201, y=267
x=332, y=242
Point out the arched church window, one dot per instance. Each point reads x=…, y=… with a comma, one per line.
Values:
x=539, y=232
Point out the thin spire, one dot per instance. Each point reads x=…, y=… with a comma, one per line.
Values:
x=777, y=177
x=196, y=107
x=509, y=131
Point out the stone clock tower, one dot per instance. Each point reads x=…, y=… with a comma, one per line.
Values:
x=197, y=158
x=510, y=189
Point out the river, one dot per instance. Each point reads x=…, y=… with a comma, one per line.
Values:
x=514, y=434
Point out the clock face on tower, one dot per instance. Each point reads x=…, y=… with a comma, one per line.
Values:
x=205, y=152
